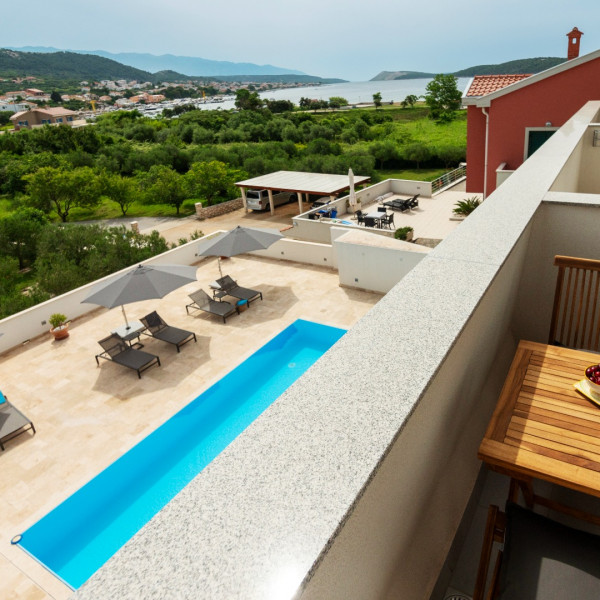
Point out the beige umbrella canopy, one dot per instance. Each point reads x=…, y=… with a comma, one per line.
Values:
x=352, y=192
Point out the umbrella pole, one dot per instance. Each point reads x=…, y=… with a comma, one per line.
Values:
x=220, y=271
x=128, y=326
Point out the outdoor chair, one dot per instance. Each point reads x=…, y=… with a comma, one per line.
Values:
x=388, y=221
x=117, y=351
x=12, y=421
x=381, y=209
x=541, y=559
x=370, y=222
x=414, y=201
x=158, y=329
x=575, y=319
x=231, y=288
x=202, y=301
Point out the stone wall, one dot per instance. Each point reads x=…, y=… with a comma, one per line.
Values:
x=215, y=210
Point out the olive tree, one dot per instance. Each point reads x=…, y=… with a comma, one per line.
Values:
x=60, y=190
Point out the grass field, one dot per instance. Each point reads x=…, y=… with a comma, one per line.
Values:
x=412, y=174
x=110, y=210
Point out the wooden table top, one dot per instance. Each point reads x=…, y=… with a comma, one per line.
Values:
x=542, y=427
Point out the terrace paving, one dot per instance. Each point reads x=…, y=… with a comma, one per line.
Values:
x=432, y=218
x=88, y=416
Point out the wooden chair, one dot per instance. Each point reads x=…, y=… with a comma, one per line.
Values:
x=576, y=314
x=541, y=559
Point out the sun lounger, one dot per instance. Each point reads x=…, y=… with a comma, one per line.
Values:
x=414, y=201
x=231, y=288
x=157, y=328
x=398, y=204
x=116, y=350
x=12, y=422
x=202, y=301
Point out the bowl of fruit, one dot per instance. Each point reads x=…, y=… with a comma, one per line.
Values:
x=592, y=375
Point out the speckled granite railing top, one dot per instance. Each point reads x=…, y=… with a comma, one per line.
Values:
x=256, y=521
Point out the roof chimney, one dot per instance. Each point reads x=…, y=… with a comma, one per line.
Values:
x=574, y=39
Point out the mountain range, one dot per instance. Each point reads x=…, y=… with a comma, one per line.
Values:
x=186, y=65
x=524, y=65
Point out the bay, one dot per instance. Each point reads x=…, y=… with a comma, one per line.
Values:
x=356, y=92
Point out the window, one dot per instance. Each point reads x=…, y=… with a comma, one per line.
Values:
x=69, y=118
x=59, y=120
x=46, y=121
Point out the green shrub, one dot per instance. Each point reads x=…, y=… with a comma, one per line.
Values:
x=57, y=319
x=402, y=233
x=467, y=206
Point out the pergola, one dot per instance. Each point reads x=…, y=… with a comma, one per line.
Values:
x=322, y=184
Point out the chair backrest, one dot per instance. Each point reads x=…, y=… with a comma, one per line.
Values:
x=153, y=322
x=201, y=298
x=113, y=345
x=381, y=209
x=576, y=313
x=359, y=213
x=226, y=283
x=369, y=222
x=390, y=219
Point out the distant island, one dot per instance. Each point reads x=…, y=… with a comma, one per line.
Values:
x=524, y=65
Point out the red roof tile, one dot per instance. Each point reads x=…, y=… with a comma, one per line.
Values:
x=486, y=84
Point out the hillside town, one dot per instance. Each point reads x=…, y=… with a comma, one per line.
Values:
x=98, y=97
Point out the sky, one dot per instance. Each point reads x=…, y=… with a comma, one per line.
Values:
x=353, y=39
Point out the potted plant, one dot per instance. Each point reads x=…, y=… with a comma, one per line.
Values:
x=404, y=233
x=59, y=326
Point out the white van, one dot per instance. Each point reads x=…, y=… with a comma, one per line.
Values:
x=259, y=199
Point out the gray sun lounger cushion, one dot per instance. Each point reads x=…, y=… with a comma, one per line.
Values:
x=116, y=350
x=12, y=422
x=230, y=286
x=158, y=329
x=397, y=204
x=202, y=301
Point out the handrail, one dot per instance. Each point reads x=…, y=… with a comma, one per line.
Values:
x=447, y=178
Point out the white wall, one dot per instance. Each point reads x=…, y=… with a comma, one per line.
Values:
x=567, y=179
x=569, y=230
x=33, y=322
x=309, y=253
x=589, y=173
x=358, y=265
x=409, y=187
x=395, y=542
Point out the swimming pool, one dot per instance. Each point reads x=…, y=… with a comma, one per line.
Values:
x=76, y=538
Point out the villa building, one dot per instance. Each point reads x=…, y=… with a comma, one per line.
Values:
x=44, y=116
x=510, y=116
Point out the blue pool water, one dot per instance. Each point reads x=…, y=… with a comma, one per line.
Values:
x=81, y=534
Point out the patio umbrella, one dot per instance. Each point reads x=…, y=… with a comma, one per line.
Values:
x=142, y=283
x=352, y=192
x=238, y=241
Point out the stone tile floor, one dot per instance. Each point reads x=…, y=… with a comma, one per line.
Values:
x=87, y=416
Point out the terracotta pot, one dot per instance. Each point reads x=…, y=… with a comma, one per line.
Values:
x=60, y=333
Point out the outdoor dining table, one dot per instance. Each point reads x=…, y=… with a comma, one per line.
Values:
x=376, y=216
x=542, y=427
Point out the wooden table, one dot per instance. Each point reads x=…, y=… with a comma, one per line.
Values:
x=542, y=428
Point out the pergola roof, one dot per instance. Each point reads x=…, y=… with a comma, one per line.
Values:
x=297, y=181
